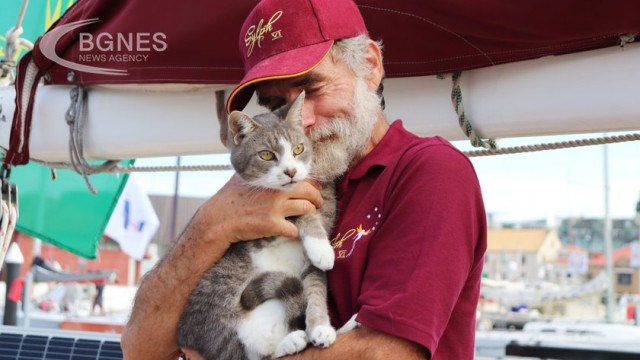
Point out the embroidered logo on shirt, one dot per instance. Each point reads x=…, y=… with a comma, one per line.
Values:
x=345, y=243
x=255, y=33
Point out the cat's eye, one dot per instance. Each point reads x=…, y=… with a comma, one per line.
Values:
x=298, y=149
x=266, y=155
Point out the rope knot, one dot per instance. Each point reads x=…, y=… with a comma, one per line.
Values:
x=627, y=39
x=463, y=120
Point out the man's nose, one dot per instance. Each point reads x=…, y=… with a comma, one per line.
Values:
x=308, y=115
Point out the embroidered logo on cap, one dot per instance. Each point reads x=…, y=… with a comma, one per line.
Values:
x=255, y=33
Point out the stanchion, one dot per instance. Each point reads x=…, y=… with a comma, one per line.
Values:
x=14, y=261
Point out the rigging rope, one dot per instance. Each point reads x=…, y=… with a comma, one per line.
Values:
x=12, y=42
x=555, y=146
x=76, y=118
x=627, y=38
x=463, y=120
x=119, y=169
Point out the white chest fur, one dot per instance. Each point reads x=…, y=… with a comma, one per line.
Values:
x=281, y=255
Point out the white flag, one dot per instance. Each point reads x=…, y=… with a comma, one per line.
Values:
x=635, y=254
x=583, y=264
x=578, y=264
x=133, y=222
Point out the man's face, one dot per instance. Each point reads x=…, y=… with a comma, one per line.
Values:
x=339, y=111
x=329, y=92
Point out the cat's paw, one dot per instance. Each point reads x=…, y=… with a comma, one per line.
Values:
x=350, y=325
x=293, y=343
x=322, y=336
x=320, y=253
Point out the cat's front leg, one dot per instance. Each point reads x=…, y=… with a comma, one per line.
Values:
x=318, y=324
x=293, y=343
x=316, y=241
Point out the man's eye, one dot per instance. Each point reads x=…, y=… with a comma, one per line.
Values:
x=266, y=155
x=298, y=149
x=275, y=105
x=311, y=90
x=270, y=103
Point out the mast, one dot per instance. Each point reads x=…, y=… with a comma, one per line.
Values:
x=174, y=205
x=608, y=243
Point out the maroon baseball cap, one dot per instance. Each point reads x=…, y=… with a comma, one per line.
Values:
x=286, y=38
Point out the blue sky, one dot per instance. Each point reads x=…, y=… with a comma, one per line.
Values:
x=520, y=187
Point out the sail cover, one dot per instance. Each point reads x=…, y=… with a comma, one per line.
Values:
x=197, y=43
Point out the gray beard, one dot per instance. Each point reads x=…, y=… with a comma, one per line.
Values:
x=338, y=142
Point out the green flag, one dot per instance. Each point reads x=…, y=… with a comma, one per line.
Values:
x=62, y=212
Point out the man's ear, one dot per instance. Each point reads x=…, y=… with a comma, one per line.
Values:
x=240, y=125
x=374, y=59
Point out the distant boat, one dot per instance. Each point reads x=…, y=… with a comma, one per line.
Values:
x=562, y=334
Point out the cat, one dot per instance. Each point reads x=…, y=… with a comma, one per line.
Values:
x=267, y=298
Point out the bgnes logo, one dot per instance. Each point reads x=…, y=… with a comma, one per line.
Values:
x=103, y=47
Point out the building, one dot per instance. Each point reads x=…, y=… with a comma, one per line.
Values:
x=588, y=233
x=626, y=273
x=571, y=267
x=521, y=254
x=109, y=256
x=174, y=217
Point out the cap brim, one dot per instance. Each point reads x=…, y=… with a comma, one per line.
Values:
x=285, y=65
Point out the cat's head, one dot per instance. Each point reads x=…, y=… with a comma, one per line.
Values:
x=270, y=150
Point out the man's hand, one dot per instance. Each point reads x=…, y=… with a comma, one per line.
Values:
x=248, y=213
x=361, y=343
x=364, y=343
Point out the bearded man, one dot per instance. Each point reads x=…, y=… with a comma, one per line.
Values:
x=410, y=236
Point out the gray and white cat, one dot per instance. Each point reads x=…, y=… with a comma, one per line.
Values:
x=267, y=298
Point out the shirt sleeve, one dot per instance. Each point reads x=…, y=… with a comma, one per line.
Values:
x=426, y=247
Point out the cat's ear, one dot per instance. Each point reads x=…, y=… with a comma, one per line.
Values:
x=294, y=115
x=240, y=125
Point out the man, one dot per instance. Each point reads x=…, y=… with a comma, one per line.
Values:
x=97, y=299
x=410, y=235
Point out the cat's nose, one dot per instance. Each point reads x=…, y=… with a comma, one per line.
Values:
x=291, y=172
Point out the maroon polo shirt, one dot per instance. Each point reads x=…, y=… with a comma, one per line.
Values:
x=409, y=242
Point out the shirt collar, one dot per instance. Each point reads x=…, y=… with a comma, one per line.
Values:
x=383, y=154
